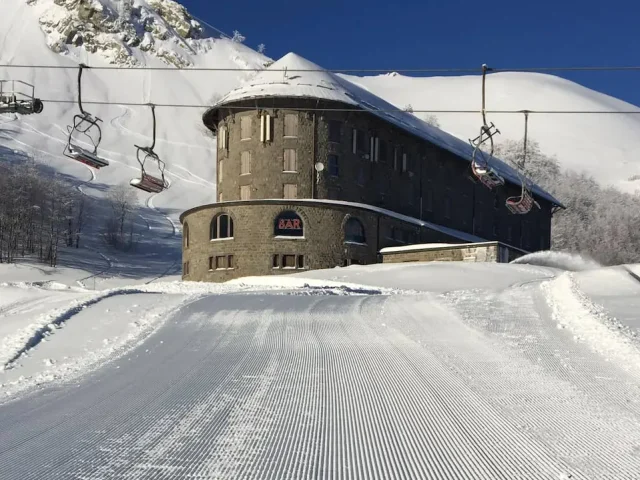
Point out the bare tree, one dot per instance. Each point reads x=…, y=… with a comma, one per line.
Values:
x=432, y=120
x=121, y=201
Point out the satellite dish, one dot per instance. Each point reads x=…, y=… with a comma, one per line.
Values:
x=319, y=167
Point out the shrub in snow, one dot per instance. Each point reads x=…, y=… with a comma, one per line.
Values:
x=238, y=37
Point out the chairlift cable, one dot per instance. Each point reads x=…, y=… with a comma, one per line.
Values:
x=629, y=68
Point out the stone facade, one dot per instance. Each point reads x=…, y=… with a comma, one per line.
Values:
x=473, y=252
x=408, y=175
x=323, y=244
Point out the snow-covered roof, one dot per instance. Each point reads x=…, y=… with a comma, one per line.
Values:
x=467, y=237
x=298, y=82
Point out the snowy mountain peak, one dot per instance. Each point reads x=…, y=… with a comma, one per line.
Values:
x=122, y=32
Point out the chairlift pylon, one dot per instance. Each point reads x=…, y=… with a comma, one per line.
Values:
x=17, y=96
x=480, y=166
x=84, y=124
x=523, y=203
x=146, y=182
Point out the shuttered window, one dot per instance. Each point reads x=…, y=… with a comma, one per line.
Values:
x=245, y=192
x=290, y=160
x=245, y=163
x=290, y=190
x=220, y=169
x=223, y=138
x=291, y=125
x=245, y=127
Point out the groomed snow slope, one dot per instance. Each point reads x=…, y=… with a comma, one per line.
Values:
x=482, y=382
x=606, y=146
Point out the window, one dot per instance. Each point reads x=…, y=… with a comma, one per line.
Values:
x=290, y=190
x=245, y=163
x=291, y=125
x=223, y=138
x=333, y=165
x=288, y=261
x=185, y=235
x=447, y=207
x=359, y=141
x=245, y=127
x=428, y=199
x=381, y=151
x=288, y=224
x=221, y=227
x=185, y=268
x=266, y=127
x=245, y=192
x=290, y=160
x=221, y=262
x=354, y=231
x=335, y=133
x=397, y=156
x=220, y=169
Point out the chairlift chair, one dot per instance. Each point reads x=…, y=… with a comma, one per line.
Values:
x=523, y=203
x=87, y=125
x=480, y=166
x=146, y=182
x=17, y=96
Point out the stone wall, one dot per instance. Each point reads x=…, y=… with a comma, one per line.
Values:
x=323, y=244
x=476, y=252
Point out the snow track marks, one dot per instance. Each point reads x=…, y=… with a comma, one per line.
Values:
x=339, y=387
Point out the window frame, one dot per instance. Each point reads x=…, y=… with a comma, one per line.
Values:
x=361, y=238
x=286, y=163
x=245, y=158
x=230, y=228
x=185, y=235
x=297, y=125
x=336, y=164
x=249, y=120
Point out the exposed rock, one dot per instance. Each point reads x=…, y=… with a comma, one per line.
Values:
x=164, y=29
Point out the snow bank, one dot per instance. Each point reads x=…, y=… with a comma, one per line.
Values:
x=591, y=325
x=561, y=260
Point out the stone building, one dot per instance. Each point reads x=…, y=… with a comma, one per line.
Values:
x=315, y=172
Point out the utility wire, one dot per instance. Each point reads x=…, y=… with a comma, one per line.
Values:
x=354, y=109
x=345, y=70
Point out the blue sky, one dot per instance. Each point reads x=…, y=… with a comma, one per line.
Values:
x=445, y=33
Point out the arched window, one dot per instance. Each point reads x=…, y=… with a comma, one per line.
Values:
x=288, y=224
x=354, y=231
x=185, y=236
x=221, y=227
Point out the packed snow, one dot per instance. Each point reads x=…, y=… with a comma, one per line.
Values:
x=472, y=370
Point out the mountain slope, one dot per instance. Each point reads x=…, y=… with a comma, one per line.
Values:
x=606, y=146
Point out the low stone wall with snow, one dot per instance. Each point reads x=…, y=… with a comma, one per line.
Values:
x=493, y=252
